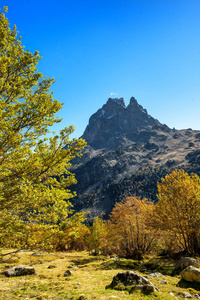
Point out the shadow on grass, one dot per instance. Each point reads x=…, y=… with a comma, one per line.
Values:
x=124, y=264
x=85, y=261
x=187, y=284
x=128, y=264
x=153, y=265
x=161, y=265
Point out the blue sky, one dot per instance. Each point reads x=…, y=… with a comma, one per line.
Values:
x=96, y=49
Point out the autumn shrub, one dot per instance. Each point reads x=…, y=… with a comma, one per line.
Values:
x=177, y=214
x=129, y=235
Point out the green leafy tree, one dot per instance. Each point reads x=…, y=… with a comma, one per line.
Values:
x=32, y=185
x=97, y=237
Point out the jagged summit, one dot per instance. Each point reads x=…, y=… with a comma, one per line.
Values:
x=133, y=101
x=114, y=119
x=128, y=152
x=134, y=105
x=119, y=101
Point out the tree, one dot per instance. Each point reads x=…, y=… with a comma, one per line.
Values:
x=72, y=234
x=178, y=209
x=97, y=235
x=129, y=233
x=34, y=169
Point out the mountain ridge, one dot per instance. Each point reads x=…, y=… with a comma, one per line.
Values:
x=115, y=119
x=117, y=151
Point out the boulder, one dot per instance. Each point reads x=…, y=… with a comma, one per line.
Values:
x=163, y=281
x=191, y=274
x=68, y=273
x=19, y=271
x=37, y=254
x=82, y=297
x=185, y=295
x=185, y=262
x=155, y=274
x=132, y=281
x=51, y=267
x=171, y=294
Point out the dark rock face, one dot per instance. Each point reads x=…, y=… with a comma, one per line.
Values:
x=127, y=153
x=116, y=121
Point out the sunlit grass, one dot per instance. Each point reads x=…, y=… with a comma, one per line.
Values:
x=90, y=276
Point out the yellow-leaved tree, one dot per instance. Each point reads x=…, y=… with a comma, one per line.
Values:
x=97, y=236
x=128, y=233
x=178, y=210
x=33, y=189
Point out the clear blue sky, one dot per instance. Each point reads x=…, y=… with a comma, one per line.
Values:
x=96, y=49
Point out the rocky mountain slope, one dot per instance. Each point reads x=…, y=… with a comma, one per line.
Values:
x=127, y=152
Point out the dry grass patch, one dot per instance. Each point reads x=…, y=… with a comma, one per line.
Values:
x=90, y=276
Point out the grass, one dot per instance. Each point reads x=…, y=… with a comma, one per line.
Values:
x=90, y=276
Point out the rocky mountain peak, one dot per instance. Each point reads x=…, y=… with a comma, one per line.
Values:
x=128, y=152
x=115, y=120
x=116, y=101
x=133, y=105
x=133, y=102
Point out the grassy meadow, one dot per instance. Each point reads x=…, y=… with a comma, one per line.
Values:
x=90, y=275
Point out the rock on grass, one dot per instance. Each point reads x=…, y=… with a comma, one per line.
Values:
x=191, y=274
x=19, y=271
x=132, y=281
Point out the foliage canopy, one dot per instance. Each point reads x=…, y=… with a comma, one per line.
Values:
x=128, y=228
x=178, y=209
x=32, y=184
